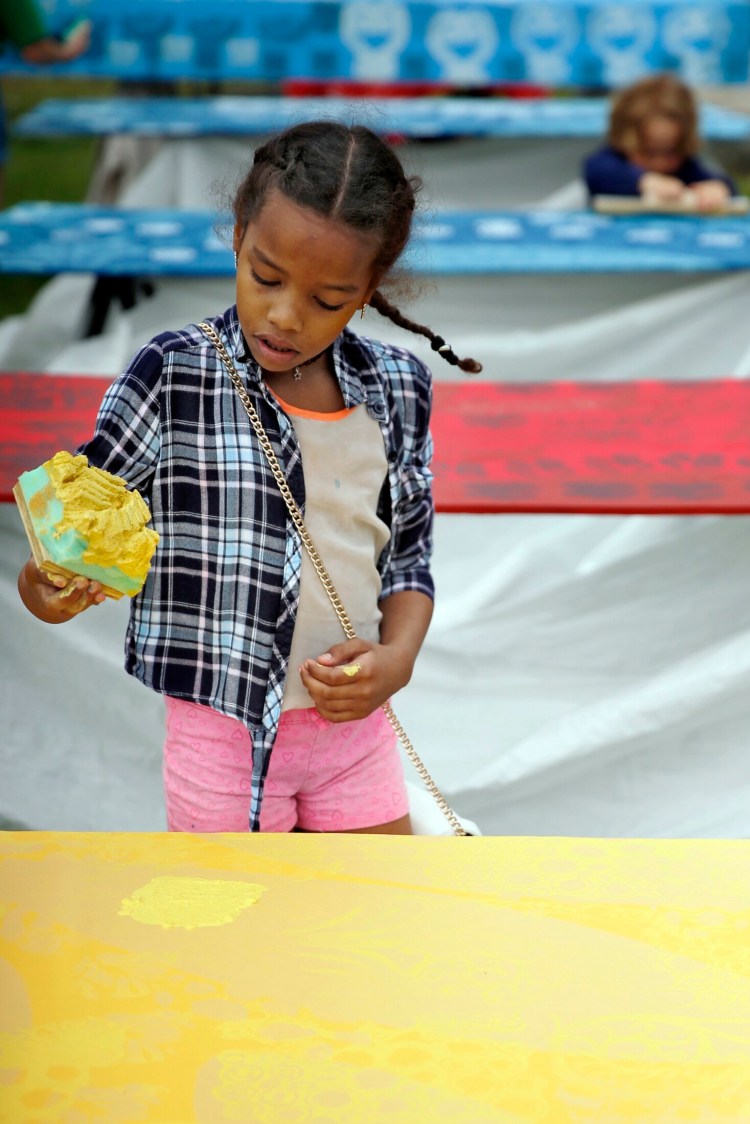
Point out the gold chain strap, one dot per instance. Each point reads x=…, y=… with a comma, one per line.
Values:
x=322, y=572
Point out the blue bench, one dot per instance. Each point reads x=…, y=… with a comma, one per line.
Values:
x=588, y=43
x=422, y=117
x=46, y=238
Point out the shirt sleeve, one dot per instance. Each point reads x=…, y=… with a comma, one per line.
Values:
x=608, y=172
x=127, y=437
x=413, y=515
x=22, y=23
x=694, y=170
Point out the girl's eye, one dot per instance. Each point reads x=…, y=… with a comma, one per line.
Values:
x=329, y=307
x=261, y=280
x=264, y=281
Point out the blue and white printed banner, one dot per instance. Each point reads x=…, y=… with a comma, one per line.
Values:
x=555, y=43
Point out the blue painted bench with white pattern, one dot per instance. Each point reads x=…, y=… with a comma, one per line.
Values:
x=46, y=238
x=419, y=117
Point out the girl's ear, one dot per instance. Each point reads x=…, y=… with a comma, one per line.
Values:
x=371, y=289
x=237, y=237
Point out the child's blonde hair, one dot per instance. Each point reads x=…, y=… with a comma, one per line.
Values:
x=659, y=95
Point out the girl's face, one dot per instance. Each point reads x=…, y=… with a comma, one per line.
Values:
x=300, y=277
x=659, y=146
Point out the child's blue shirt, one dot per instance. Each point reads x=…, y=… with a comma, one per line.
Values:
x=609, y=172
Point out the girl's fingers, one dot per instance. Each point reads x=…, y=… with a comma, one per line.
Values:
x=341, y=715
x=73, y=589
x=78, y=593
x=337, y=676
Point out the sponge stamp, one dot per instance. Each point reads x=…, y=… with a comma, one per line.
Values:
x=83, y=521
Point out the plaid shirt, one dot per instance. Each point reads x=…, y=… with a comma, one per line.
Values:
x=215, y=618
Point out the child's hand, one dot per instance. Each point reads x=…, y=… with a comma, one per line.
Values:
x=354, y=678
x=77, y=39
x=56, y=599
x=710, y=195
x=661, y=189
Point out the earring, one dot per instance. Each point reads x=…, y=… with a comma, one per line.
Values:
x=362, y=311
x=235, y=259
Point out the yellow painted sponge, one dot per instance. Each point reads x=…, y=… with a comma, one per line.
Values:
x=83, y=520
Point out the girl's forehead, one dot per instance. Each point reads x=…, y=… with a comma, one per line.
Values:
x=287, y=230
x=312, y=248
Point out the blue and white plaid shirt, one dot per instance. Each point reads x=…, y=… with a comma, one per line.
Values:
x=215, y=618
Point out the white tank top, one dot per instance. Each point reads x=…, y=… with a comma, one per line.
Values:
x=344, y=463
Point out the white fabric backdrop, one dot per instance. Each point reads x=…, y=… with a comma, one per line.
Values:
x=583, y=675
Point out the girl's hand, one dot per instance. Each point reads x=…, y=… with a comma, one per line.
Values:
x=661, y=189
x=56, y=599
x=77, y=39
x=354, y=678
x=710, y=195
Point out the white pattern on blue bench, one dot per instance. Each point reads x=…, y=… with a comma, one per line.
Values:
x=412, y=117
x=46, y=238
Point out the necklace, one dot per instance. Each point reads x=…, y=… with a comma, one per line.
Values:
x=297, y=371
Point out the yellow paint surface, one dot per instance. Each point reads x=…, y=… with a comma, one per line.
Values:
x=481, y=981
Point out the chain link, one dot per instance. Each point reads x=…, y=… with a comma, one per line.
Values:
x=322, y=572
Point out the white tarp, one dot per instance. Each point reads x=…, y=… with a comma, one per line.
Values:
x=583, y=675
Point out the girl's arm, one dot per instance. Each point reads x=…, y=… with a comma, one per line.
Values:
x=695, y=171
x=406, y=618
x=608, y=172
x=384, y=668
x=710, y=188
x=126, y=443
x=50, y=49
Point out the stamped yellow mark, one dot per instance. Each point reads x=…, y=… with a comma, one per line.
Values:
x=190, y=903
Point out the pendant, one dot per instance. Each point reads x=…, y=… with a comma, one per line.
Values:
x=297, y=374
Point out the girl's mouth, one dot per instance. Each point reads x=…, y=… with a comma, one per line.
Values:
x=276, y=349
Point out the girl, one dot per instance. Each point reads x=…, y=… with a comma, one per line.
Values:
x=652, y=148
x=233, y=625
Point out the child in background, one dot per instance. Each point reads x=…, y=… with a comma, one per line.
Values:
x=652, y=147
x=233, y=625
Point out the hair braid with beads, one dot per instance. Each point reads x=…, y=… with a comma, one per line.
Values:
x=349, y=174
x=385, y=308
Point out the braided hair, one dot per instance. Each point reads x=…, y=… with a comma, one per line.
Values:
x=349, y=174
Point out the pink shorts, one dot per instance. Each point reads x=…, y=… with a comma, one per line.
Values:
x=323, y=776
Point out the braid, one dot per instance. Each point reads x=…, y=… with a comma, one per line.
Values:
x=385, y=308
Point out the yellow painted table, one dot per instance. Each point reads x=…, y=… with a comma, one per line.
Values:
x=273, y=979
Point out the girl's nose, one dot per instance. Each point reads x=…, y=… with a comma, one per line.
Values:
x=284, y=313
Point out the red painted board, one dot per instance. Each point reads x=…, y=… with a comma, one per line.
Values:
x=40, y=414
x=636, y=447
x=639, y=447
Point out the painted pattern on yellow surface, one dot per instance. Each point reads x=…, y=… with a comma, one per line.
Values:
x=190, y=903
